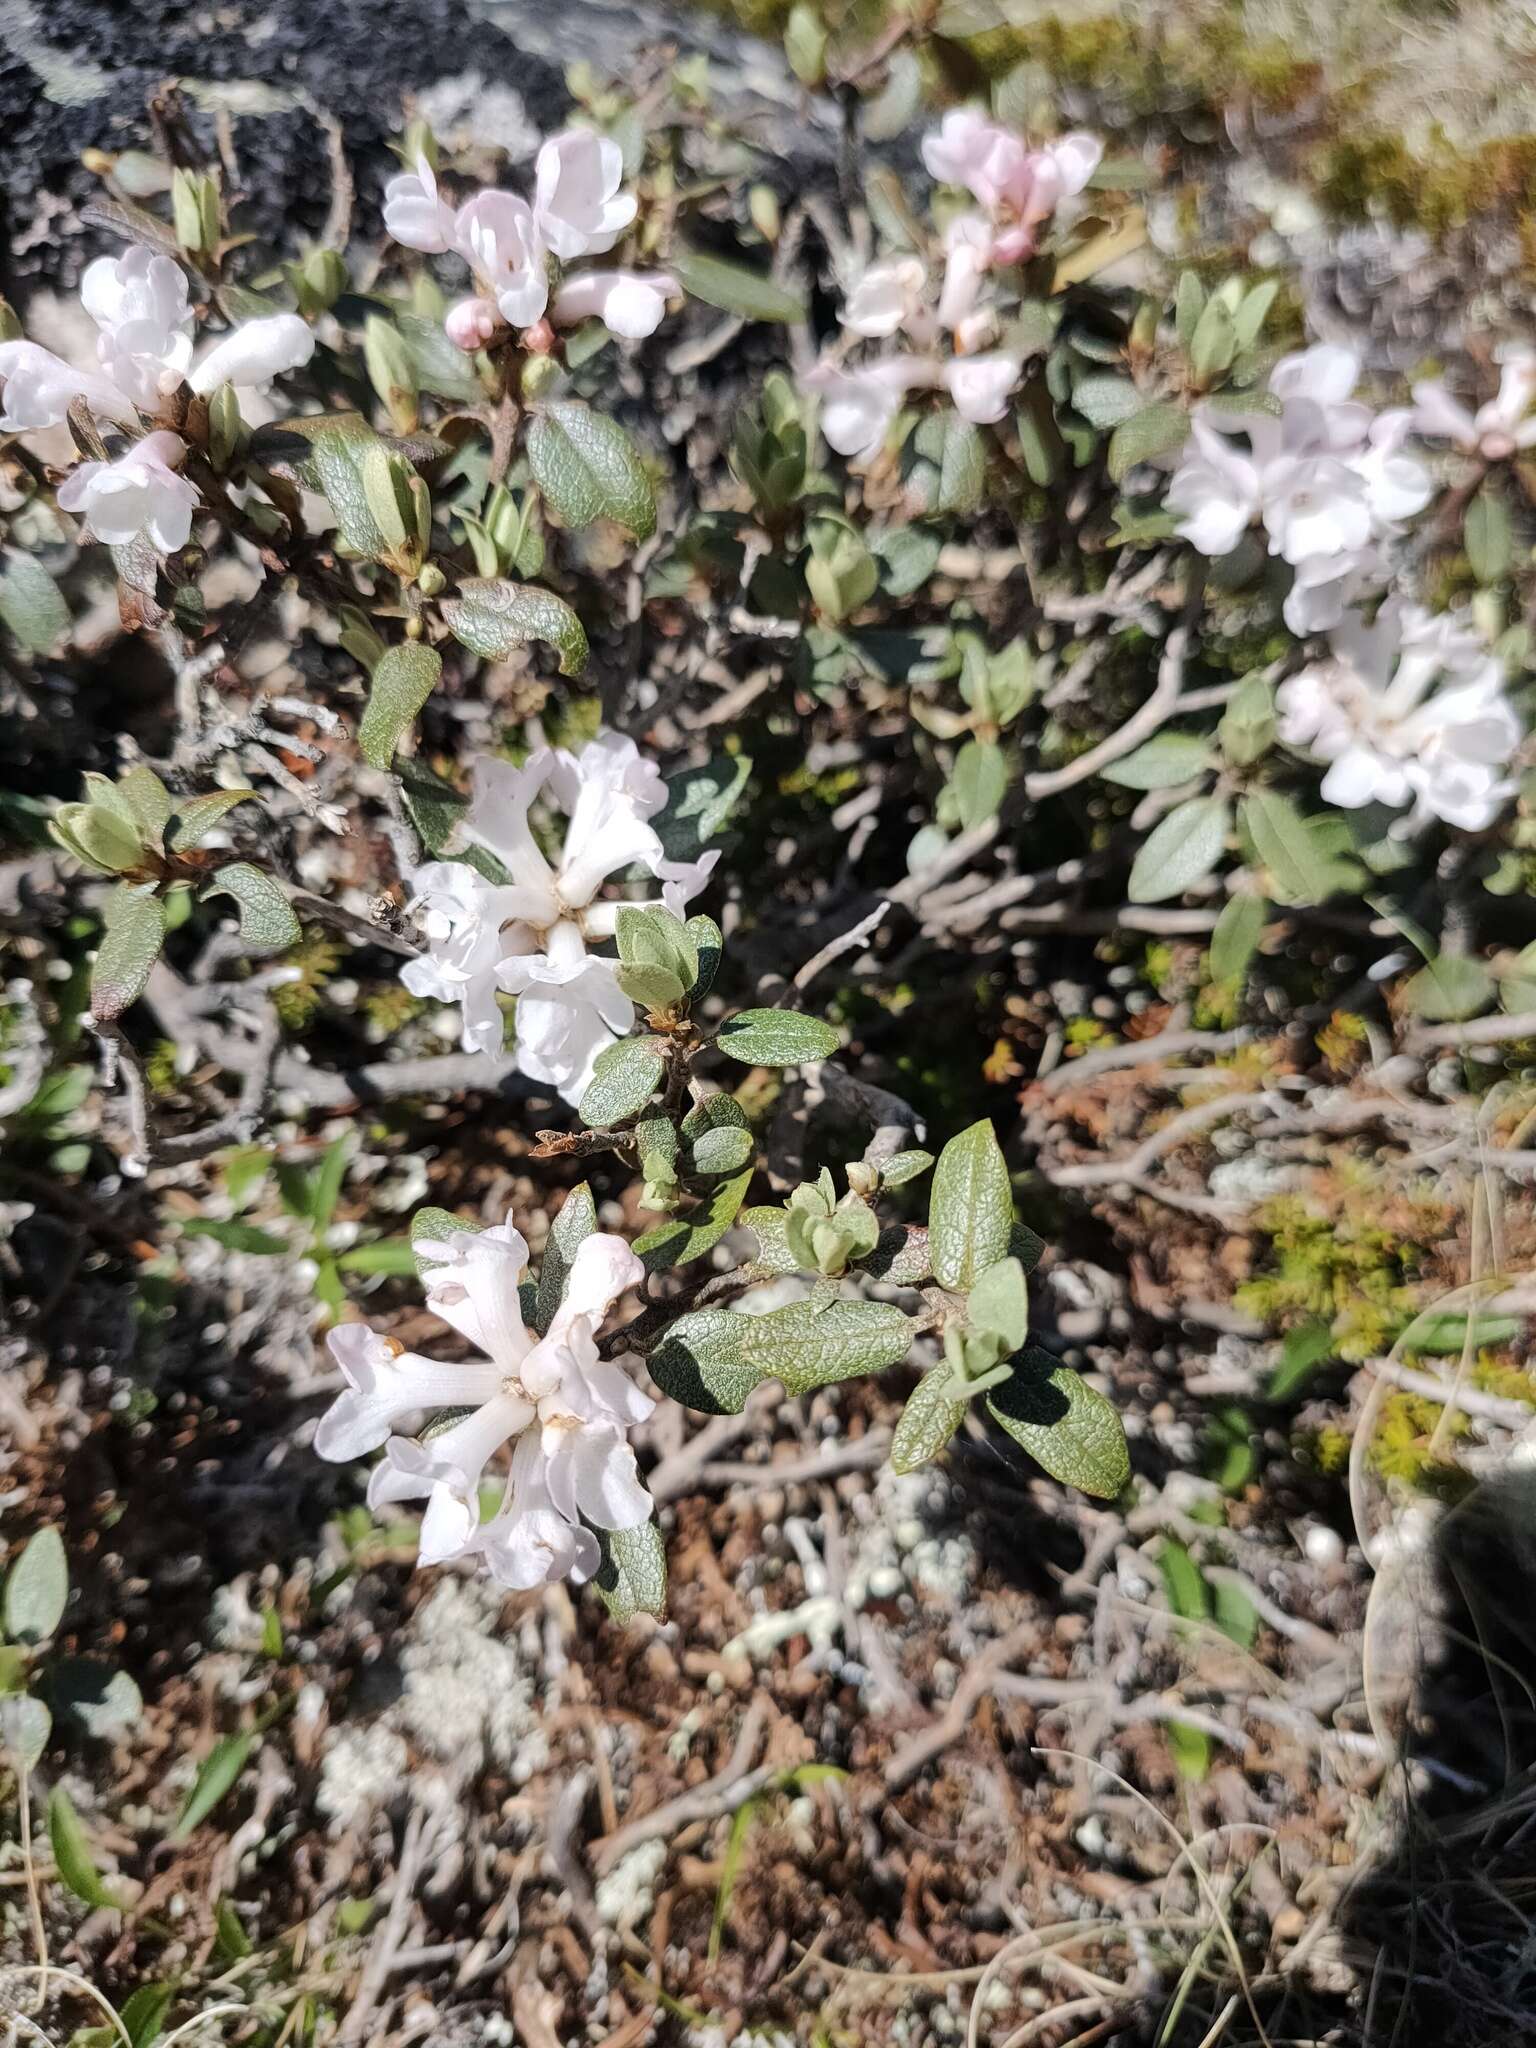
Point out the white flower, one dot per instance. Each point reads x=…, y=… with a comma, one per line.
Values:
x=1498, y=429
x=887, y=298
x=531, y=936
x=40, y=387
x=577, y=202
x=630, y=303
x=138, y=493
x=255, y=353
x=1328, y=479
x=496, y=235
x=1411, y=708
x=980, y=385
x=414, y=213
x=1019, y=187
x=566, y=1411
x=859, y=404
x=140, y=302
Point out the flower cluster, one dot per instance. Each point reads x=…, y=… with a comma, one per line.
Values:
x=950, y=321
x=142, y=308
x=513, y=247
x=1410, y=708
x=531, y=935
x=565, y=1411
x=1328, y=480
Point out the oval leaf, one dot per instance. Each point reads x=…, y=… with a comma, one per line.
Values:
x=776, y=1038
x=624, y=1078
x=492, y=618
x=713, y=1359
x=734, y=289
x=404, y=677
x=575, y=1223
x=682, y=1238
x=1181, y=850
x=1063, y=1424
x=267, y=922
x=927, y=1424
x=970, y=1212
x=37, y=1589
x=72, y=1852
x=631, y=1578
x=587, y=468
x=220, y=1770
x=130, y=946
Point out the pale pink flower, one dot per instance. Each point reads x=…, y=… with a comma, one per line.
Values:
x=981, y=385
x=40, y=387
x=1501, y=427
x=138, y=493
x=496, y=234
x=858, y=404
x=255, y=353
x=1018, y=187
x=630, y=303
x=415, y=213
x=577, y=203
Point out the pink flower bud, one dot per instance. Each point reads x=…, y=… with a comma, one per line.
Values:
x=470, y=324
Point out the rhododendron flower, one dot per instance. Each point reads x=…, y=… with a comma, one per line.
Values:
x=576, y=198
x=1498, y=429
x=1327, y=479
x=1410, y=708
x=1019, y=187
x=565, y=1411
x=859, y=404
x=141, y=304
x=888, y=299
x=40, y=387
x=630, y=303
x=577, y=210
x=415, y=215
x=531, y=936
x=138, y=493
x=255, y=353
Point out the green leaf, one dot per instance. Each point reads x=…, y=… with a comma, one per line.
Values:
x=72, y=1852
x=192, y=821
x=708, y=943
x=1295, y=850
x=927, y=1424
x=144, y=2013
x=37, y=1589
x=32, y=607
x=1063, y=1424
x=776, y=1038
x=267, y=922
x=1154, y=431
x=652, y=989
x=1190, y=1749
x=732, y=288
x=970, y=1211
x=130, y=946
x=433, y=806
x=1184, y=1583
x=440, y=365
x=979, y=781
x=901, y=1167
x=1440, y=1333
x=436, y=1226
x=1162, y=762
x=1188, y=304
x=573, y=1225
x=236, y=1236
x=404, y=677
x=1449, y=988
x=949, y=473
x=713, y=1359
x=102, y=1702
x=232, y=1940
x=699, y=802
x=1106, y=401
x=390, y=1256
x=768, y=1226
x=1181, y=850
x=587, y=468
x=330, y=1175
x=909, y=555
x=1235, y=939
x=492, y=618
x=1248, y=725
x=632, y=1576
x=682, y=1238
x=649, y=936
x=725, y=1150
x=999, y=1302
x=624, y=1078
x=216, y=1778
x=1234, y=1613
x=1305, y=1348
x=1486, y=534
x=900, y=1256
x=25, y=1725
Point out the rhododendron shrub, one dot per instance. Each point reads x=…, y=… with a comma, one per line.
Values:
x=1115, y=558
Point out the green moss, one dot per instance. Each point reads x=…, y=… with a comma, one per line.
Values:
x=1347, y=1267
x=1409, y=1445
x=1438, y=188
x=317, y=958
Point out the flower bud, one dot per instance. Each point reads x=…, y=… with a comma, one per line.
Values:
x=539, y=372
x=195, y=212
x=322, y=278
x=391, y=371
x=418, y=140
x=226, y=429
x=763, y=206
x=431, y=581
x=470, y=324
